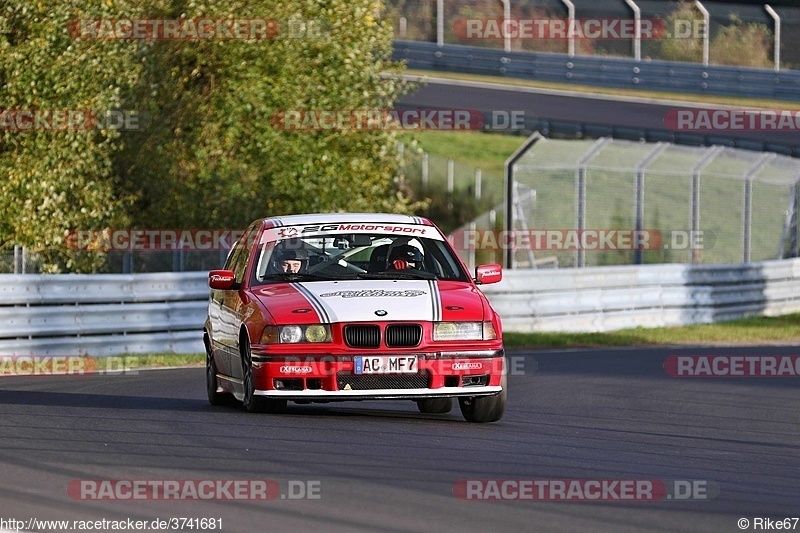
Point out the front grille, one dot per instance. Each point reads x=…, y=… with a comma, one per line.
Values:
x=382, y=381
x=367, y=336
x=403, y=335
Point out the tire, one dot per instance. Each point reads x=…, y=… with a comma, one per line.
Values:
x=212, y=385
x=484, y=409
x=251, y=402
x=435, y=406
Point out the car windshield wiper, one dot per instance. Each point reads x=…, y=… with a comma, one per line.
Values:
x=398, y=274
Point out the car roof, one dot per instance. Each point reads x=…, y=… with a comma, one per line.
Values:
x=339, y=218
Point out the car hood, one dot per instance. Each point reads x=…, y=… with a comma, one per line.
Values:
x=371, y=301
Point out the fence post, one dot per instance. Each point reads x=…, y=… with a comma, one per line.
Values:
x=706, y=30
x=471, y=252
x=637, y=39
x=478, y=184
x=440, y=23
x=638, y=217
x=425, y=171
x=450, y=184
x=580, y=193
x=401, y=154
x=509, y=189
x=777, y=19
x=709, y=156
x=571, y=23
x=747, y=229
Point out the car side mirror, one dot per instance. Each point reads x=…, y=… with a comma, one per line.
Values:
x=487, y=274
x=222, y=280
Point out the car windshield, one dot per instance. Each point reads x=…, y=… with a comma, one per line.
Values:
x=340, y=256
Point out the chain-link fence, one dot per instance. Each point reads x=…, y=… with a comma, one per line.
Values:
x=610, y=202
x=418, y=20
x=457, y=192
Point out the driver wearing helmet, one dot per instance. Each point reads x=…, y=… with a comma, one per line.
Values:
x=292, y=261
x=405, y=256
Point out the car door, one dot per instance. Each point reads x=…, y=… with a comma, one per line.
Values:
x=231, y=308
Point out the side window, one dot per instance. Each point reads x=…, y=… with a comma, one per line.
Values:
x=238, y=259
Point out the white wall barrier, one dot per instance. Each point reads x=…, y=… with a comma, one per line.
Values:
x=610, y=298
x=148, y=313
x=106, y=314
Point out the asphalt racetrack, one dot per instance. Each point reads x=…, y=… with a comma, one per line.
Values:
x=382, y=466
x=622, y=112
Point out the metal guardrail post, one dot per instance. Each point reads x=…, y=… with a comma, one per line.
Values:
x=580, y=191
x=706, y=30
x=509, y=189
x=709, y=156
x=638, y=217
x=777, y=20
x=637, y=39
x=571, y=25
x=748, y=204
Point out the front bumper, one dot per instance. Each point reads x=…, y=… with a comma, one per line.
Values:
x=333, y=377
x=380, y=394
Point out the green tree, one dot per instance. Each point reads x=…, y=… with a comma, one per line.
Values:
x=742, y=44
x=682, y=49
x=52, y=182
x=210, y=154
x=214, y=155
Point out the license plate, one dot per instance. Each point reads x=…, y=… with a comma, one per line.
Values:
x=395, y=364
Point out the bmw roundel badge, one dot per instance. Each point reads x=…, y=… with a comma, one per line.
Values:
x=381, y=312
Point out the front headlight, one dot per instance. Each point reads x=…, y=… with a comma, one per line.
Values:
x=464, y=331
x=314, y=333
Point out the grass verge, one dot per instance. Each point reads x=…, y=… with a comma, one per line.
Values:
x=154, y=360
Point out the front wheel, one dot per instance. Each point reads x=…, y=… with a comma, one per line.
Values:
x=250, y=401
x=483, y=409
x=435, y=406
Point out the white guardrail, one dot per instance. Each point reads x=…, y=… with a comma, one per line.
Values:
x=105, y=314
x=610, y=298
x=146, y=313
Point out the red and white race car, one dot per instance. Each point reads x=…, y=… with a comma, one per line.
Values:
x=320, y=308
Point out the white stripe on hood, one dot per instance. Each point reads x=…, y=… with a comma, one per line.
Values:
x=358, y=301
